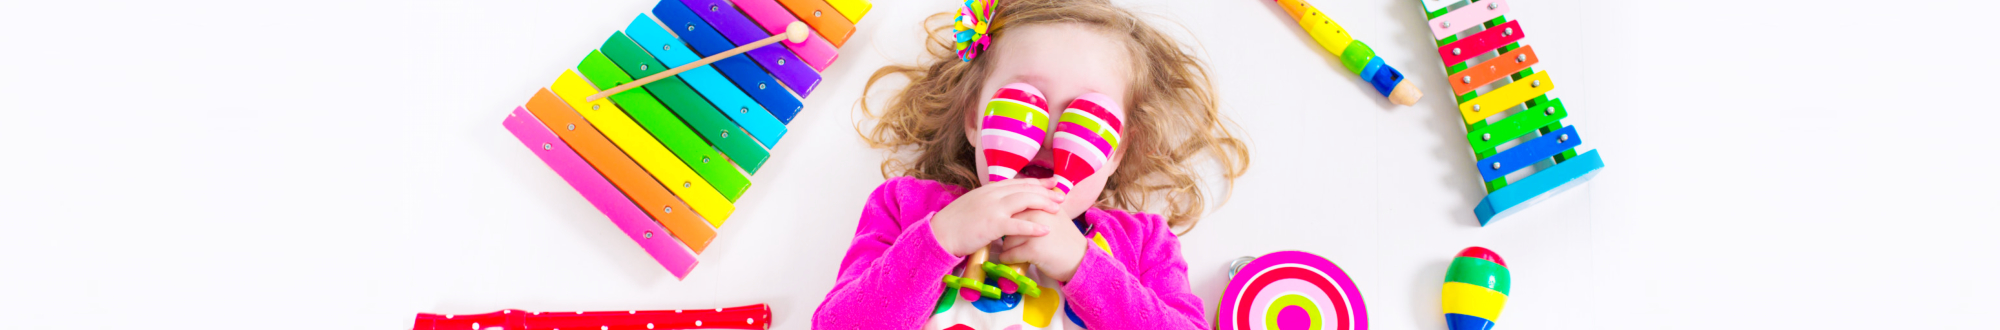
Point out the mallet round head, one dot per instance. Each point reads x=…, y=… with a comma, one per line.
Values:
x=796, y=32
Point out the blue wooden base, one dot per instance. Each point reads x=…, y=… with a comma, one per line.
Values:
x=1533, y=189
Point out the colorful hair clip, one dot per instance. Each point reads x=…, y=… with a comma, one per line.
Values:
x=971, y=26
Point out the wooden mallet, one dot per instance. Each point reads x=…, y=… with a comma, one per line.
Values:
x=795, y=32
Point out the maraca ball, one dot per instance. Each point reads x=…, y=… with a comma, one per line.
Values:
x=1291, y=290
x=1086, y=137
x=1475, y=289
x=1012, y=129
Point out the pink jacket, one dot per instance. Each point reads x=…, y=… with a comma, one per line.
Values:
x=890, y=278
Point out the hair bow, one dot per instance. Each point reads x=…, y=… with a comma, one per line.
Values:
x=971, y=26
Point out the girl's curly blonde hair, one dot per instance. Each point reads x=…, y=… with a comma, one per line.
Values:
x=1172, y=123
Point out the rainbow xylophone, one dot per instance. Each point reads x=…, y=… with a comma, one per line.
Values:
x=1476, y=58
x=668, y=161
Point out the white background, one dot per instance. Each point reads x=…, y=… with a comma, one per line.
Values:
x=341, y=165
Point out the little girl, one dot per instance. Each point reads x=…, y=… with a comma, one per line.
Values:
x=1097, y=264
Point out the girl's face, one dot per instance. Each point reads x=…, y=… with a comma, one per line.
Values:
x=1063, y=61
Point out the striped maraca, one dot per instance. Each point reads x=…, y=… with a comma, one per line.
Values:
x=1085, y=138
x=1475, y=288
x=1011, y=133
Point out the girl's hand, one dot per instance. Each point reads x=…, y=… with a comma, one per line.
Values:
x=985, y=214
x=1056, y=254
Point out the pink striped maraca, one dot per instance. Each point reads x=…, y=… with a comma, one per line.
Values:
x=1011, y=133
x=1085, y=138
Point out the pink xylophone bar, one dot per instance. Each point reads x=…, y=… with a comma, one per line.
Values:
x=670, y=253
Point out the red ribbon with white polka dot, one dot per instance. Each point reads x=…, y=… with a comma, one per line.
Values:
x=752, y=317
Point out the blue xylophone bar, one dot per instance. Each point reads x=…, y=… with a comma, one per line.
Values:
x=740, y=68
x=1535, y=188
x=776, y=59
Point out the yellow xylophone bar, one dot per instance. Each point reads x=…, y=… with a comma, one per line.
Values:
x=1507, y=96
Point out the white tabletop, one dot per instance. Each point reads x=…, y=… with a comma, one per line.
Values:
x=341, y=165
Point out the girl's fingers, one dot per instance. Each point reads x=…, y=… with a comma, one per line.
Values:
x=1016, y=203
x=1011, y=185
x=1016, y=182
x=1015, y=227
x=1056, y=195
x=1008, y=243
x=1014, y=256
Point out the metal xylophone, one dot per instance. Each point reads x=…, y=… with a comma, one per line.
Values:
x=667, y=161
x=1481, y=47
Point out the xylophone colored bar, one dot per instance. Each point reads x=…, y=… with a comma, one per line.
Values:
x=852, y=9
x=1458, y=21
x=668, y=161
x=1486, y=139
x=1535, y=188
x=621, y=170
x=1520, y=91
x=816, y=51
x=612, y=121
x=1491, y=118
x=681, y=90
x=1520, y=156
x=707, y=41
x=823, y=18
x=781, y=63
x=665, y=127
x=670, y=253
x=1482, y=42
x=1491, y=70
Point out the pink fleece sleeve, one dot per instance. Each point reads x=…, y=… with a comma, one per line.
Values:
x=1153, y=294
x=891, y=277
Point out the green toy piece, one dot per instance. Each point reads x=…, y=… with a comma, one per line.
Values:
x=1022, y=283
x=956, y=283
